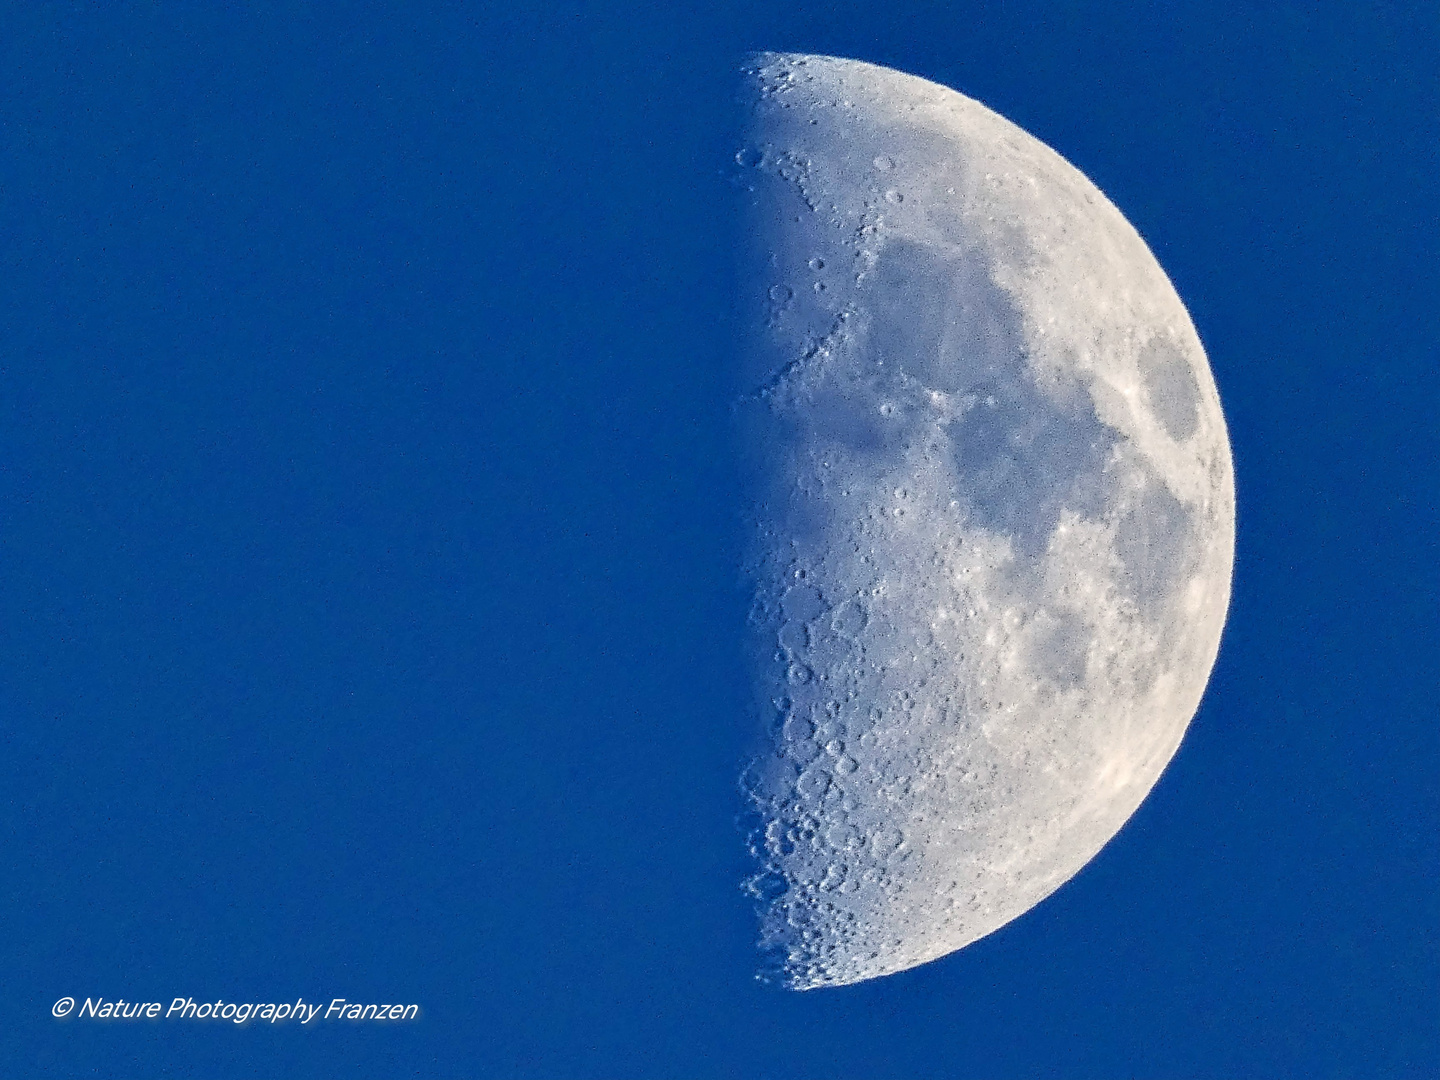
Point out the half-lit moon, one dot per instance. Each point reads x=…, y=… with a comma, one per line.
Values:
x=994, y=517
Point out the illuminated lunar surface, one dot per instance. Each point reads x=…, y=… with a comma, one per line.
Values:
x=993, y=517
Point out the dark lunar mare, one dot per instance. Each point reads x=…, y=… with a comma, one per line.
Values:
x=1021, y=455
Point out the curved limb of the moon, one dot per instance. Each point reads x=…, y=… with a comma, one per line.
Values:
x=994, y=519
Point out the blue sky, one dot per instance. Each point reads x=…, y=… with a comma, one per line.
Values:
x=370, y=616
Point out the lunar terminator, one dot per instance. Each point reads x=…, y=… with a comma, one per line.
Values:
x=993, y=517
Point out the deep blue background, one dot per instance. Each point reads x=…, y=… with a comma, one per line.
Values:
x=369, y=621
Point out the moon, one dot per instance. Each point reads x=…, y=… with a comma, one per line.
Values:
x=993, y=517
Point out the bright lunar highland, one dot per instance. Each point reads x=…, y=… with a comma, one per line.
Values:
x=993, y=514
